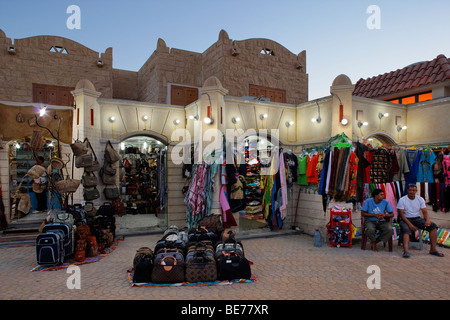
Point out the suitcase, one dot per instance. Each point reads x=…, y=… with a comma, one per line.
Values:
x=200, y=264
x=232, y=266
x=49, y=249
x=143, y=265
x=66, y=228
x=168, y=267
x=227, y=246
x=202, y=234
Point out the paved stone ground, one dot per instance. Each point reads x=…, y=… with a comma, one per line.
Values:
x=286, y=268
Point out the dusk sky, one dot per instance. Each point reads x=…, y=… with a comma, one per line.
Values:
x=338, y=36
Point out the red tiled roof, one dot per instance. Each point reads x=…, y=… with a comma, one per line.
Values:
x=412, y=76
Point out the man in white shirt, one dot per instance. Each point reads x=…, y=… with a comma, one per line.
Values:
x=409, y=208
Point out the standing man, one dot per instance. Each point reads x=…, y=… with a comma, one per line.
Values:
x=409, y=208
x=377, y=213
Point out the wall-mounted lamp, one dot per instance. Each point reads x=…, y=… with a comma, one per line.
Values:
x=196, y=117
x=318, y=119
x=42, y=112
x=235, y=120
x=208, y=119
x=344, y=121
x=360, y=124
x=176, y=122
x=289, y=123
x=382, y=115
x=112, y=119
x=144, y=118
x=400, y=128
x=263, y=116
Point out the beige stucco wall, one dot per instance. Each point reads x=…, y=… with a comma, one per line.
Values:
x=34, y=63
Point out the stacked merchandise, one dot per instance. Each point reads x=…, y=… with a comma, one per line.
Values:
x=89, y=162
x=197, y=256
x=140, y=181
x=443, y=237
x=253, y=196
x=108, y=172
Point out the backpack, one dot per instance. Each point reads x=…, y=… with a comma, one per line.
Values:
x=143, y=265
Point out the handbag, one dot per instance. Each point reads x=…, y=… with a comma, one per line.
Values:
x=95, y=166
x=89, y=180
x=109, y=169
x=36, y=141
x=36, y=171
x=90, y=194
x=67, y=185
x=106, y=178
x=84, y=160
x=91, y=211
x=78, y=148
x=111, y=155
x=212, y=223
x=111, y=193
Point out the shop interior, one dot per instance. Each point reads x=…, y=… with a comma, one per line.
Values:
x=28, y=201
x=257, y=157
x=142, y=183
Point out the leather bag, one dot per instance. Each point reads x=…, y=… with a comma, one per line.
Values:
x=106, y=178
x=168, y=268
x=212, y=223
x=85, y=160
x=200, y=265
x=67, y=185
x=90, y=194
x=111, y=193
x=89, y=180
x=95, y=166
x=111, y=155
x=233, y=266
x=79, y=148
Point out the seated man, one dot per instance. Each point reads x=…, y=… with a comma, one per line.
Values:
x=409, y=207
x=377, y=212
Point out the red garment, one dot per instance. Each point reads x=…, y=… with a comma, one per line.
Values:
x=366, y=176
x=311, y=169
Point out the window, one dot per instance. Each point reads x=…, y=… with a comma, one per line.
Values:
x=58, y=49
x=267, y=51
x=275, y=95
x=54, y=95
x=182, y=96
x=420, y=97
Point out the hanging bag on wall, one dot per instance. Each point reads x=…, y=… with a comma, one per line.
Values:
x=106, y=178
x=67, y=185
x=111, y=193
x=78, y=148
x=84, y=160
x=95, y=166
x=36, y=141
x=89, y=180
x=36, y=171
x=111, y=155
x=90, y=194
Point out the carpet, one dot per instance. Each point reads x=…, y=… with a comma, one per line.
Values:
x=73, y=262
x=187, y=284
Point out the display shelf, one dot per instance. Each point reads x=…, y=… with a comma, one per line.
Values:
x=340, y=228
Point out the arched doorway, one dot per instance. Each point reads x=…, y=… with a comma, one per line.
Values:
x=143, y=183
x=378, y=138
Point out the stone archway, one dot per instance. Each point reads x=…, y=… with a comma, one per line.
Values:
x=382, y=136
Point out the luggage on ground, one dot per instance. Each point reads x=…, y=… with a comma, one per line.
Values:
x=168, y=267
x=50, y=248
x=200, y=263
x=143, y=265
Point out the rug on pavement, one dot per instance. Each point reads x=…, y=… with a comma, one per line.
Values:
x=187, y=284
x=73, y=262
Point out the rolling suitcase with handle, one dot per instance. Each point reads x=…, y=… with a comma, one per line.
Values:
x=49, y=248
x=66, y=228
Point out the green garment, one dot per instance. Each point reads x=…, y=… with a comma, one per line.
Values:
x=302, y=166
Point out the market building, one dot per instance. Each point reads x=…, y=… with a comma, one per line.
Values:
x=254, y=91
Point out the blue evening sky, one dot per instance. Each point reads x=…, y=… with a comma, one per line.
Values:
x=334, y=33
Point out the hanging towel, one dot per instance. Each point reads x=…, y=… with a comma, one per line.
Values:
x=283, y=185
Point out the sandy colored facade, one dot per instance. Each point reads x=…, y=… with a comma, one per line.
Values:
x=223, y=76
